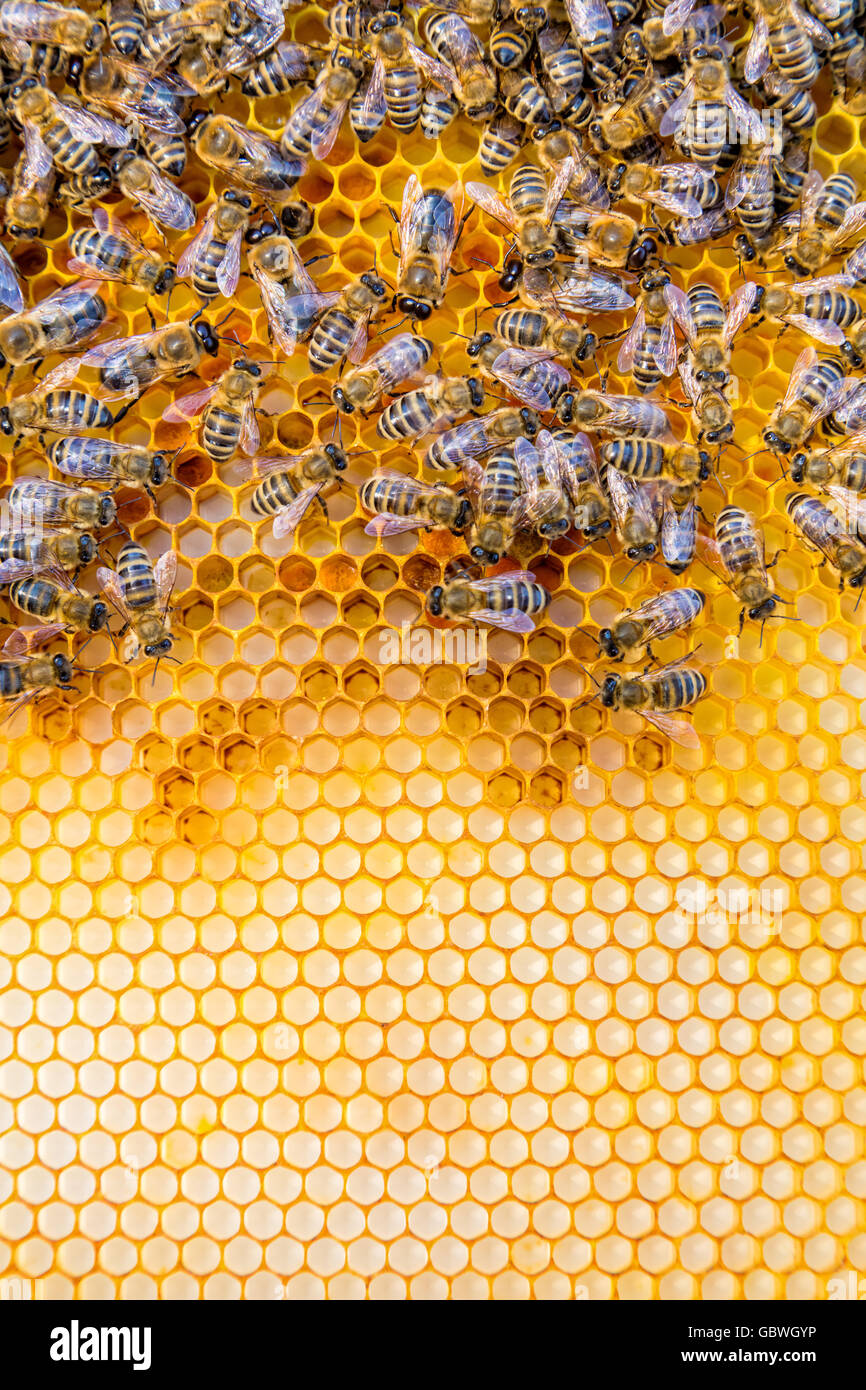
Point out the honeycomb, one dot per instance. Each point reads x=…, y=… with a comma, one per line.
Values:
x=326, y=976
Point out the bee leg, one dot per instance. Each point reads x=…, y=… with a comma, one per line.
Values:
x=742, y=620
x=770, y=563
x=150, y=316
x=124, y=410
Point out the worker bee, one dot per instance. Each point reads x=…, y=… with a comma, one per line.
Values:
x=629, y=636
x=648, y=461
x=608, y=239
x=738, y=551
x=344, y=317
x=844, y=550
x=399, y=71
x=141, y=593
x=60, y=132
x=816, y=390
x=557, y=142
x=579, y=468
x=625, y=124
x=481, y=435
x=710, y=110
x=683, y=189
x=29, y=202
x=145, y=187
x=438, y=109
x=678, y=532
x=78, y=190
x=128, y=365
x=532, y=201
x=710, y=329
x=844, y=465
x=510, y=601
x=655, y=694
x=785, y=35
x=592, y=25
x=58, y=601
x=712, y=404
x=819, y=311
x=43, y=502
x=431, y=407
x=561, y=289
x=167, y=152
x=429, y=230
x=463, y=54
x=314, y=125
x=751, y=195
x=212, y=260
x=53, y=409
x=26, y=673
x=292, y=483
x=26, y=551
x=64, y=319
x=524, y=99
x=277, y=73
x=558, y=478
x=636, y=513
x=667, y=35
x=401, y=504
x=244, y=156
x=562, y=65
x=649, y=349
x=130, y=91
x=363, y=386
x=104, y=461
x=109, y=251
x=529, y=374
x=543, y=332
x=51, y=25
x=228, y=411
x=500, y=508
x=125, y=24
x=828, y=218
x=282, y=279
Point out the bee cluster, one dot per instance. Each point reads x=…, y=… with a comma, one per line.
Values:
x=699, y=120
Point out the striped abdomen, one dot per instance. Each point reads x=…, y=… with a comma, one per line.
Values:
x=69, y=152
x=403, y=96
x=220, y=431
x=639, y=458
x=136, y=576
x=521, y=327
x=35, y=596
x=516, y=593
x=676, y=689
x=528, y=189
x=11, y=679
x=509, y=44
x=21, y=545
x=792, y=52
x=852, y=471
x=274, y=492
x=497, y=149
x=501, y=487
x=739, y=544
x=89, y=244
x=168, y=152
x=707, y=310
x=705, y=131
x=205, y=267
x=331, y=338
x=830, y=304
x=645, y=371
x=69, y=410
x=835, y=199
x=408, y=415
x=388, y=495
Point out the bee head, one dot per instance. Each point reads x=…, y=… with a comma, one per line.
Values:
x=511, y=272
x=476, y=391
x=792, y=263
x=760, y=291
x=375, y=285
x=206, y=336
x=608, y=690
x=641, y=253
x=588, y=347
x=616, y=177
x=412, y=308
x=594, y=131
x=251, y=368
x=474, y=349
x=641, y=552
x=607, y=644
x=541, y=257
x=798, y=468
x=107, y=509
x=434, y=600
x=98, y=616
x=6, y=425
x=776, y=442
x=86, y=548
x=763, y=610
x=158, y=469
x=63, y=667
x=594, y=533
x=259, y=233
x=165, y=281
x=158, y=648
x=296, y=219
x=487, y=557
x=335, y=454
x=744, y=247
x=195, y=119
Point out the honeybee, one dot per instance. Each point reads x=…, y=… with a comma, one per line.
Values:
x=562, y=64
x=843, y=465
x=24, y=551
x=710, y=329
x=404, y=504
x=429, y=230
x=710, y=226
x=784, y=34
x=544, y=385
x=292, y=483
x=128, y=365
x=636, y=512
x=167, y=152
x=579, y=467
x=399, y=71
x=433, y=406
x=678, y=533
x=510, y=601
x=109, y=251
x=819, y=311
x=678, y=30
x=58, y=132
x=828, y=218
x=629, y=636
x=77, y=190
x=212, y=260
x=544, y=333
x=228, y=411
x=438, y=109
x=557, y=142
x=144, y=186
x=654, y=694
x=344, y=317
x=524, y=99
x=648, y=461
x=841, y=547
x=130, y=91
x=609, y=239
x=592, y=26
x=141, y=593
x=104, y=461
x=531, y=376
x=699, y=118
x=750, y=194
x=54, y=409
x=41, y=501
x=739, y=552
x=58, y=602
x=65, y=318
x=283, y=67
x=244, y=156
x=625, y=124
x=363, y=386
x=561, y=482
x=29, y=202
x=51, y=25
x=26, y=673
x=561, y=289
x=712, y=404
x=532, y=202
x=313, y=126
x=684, y=189
x=816, y=389
x=281, y=277
x=460, y=51
x=649, y=349
x=481, y=435
x=499, y=505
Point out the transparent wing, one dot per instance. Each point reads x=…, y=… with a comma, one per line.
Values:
x=758, y=53
x=92, y=129
x=526, y=457
x=27, y=639
x=673, y=117
x=250, y=438
x=807, y=359
x=229, y=269
x=511, y=619
x=95, y=469
x=38, y=161
x=439, y=73
x=754, y=178
x=166, y=204
x=678, y=730
x=515, y=368
x=10, y=290
x=358, y=344
x=665, y=350
x=10, y=570
x=114, y=353
x=739, y=306
x=629, y=346
x=628, y=497
x=675, y=15
x=374, y=107
x=825, y=330
x=818, y=32
x=583, y=291
x=109, y=581
x=551, y=458
x=681, y=307
x=61, y=374
x=188, y=258
x=165, y=574
x=388, y=524
x=855, y=265
x=590, y=20
x=286, y=521
x=486, y=198
x=854, y=221
x=326, y=131
x=682, y=204
x=412, y=197
x=189, y=406
x=627, y=414
x=749, y=123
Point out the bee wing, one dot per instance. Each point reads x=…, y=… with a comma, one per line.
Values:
x=189, y=406
x=408, y=217
x=250, y=438
x=112, y=226
x=388, y=524
x=753, y=178
x=511, y=619
x=678, y=532
x=109, y=581
x=757, y=58
x=374, y=105
x=191, y=251
x=114, y=352
x=590, y=20
x=486, y=198
x=439, y=73
x=10, y=290
x=229, y=270
x=26, y=639
x=629, y=345
x=92, y=129
x=681, y=204
x=681, y=307
x=358, y=344
x=853, y=222
x=286, y=521
x=665, y=351
x=585, y=291
x=38, y=161
x=512, y=368
x=444, y=238
x=327, y=129
x=807, y=359
x=678, y=730
x=166, y=204
x=526, y=458
x=675, y=15
x=61, y=374
x=473, y=478
x=291, y=315
x=672, y=119
x=165, y=574
x=818, y=32
x=558, y=184
x=749, y=123
x=10, y=570
x=551, y=458
x=852, y=504
x=93, y=469
x=739, y=305
x=628, y=496
x=825, y=330
x=687, y=377
x=635, y=416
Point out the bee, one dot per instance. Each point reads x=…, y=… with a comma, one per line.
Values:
x=710, y=226
x=561, y=289
x=751, y=195
x=829, y=217
x=282, y=279
x=109, y=251
x=144, y=186
x=684, y=31
x=629, y=636
x=579, y=467
x=53, y=409
x=59, y=133
x=438, y=110
x=24, y=551
x=820, y=312
x=709, y=109
x=363, y=386
x=125, y=24
x=739, y=553
x=592, y=25
x=29, y=201
x=130, y=91
x=785, y=35
x=654, y=694
x=167, y=152
x=366, y=118
x=550, y=485
x=625, y=124
x=435, y=405
x=649, y=349
x=524, y=99
x=532, y=201
x=41, y=501
x=636, y=513
x=844, y=465
x=712, y=404
x=77, y=190
x=141, y=592
x=562, y=64
x=480, y=435
x=544, y=385
x=543, y=332
x=612, y=240
x=212, y=260
x=348, y=22
x=26, y=673
x=313, y=126
x=794, y=105
x=341, y=331
x=402, y=504
x=530, y=375
x=65, y=318
x=429, y=231
x=816, y=389
x=678, y=533
x=499, y=505
x=844, y=550
x=710, y=329
x=58, y=602
x=462, y=53
x=52, y=25
x=243, y=155
x=648, y=461
x=228, y=411
x=555, y=143
x=510, y=44
x=510, y=601
x=399, y=71
x=103, y=461
x=292, y=483
x=212, y=21
x=283, y=67
x=684, y=189
x=128, y=365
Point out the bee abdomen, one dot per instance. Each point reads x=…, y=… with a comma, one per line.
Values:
x=528, y=190
x=829, y=304
x=273, y=493
x=331, y=339
x=639, y=458
x=403, y=97
x=135, y=573
x=677, y=689
x=74, y=408
x=11, y=680
x=34, y=596
x=408, y=415
x=221, y=428
x=205, y=267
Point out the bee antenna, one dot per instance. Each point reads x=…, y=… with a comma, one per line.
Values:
x=222, y=320
x=589, y=676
